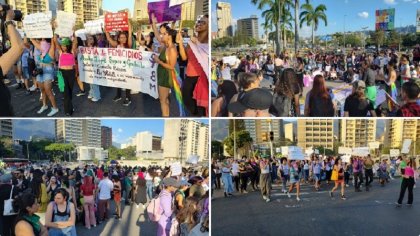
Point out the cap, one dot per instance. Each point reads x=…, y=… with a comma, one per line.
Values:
x=171, y=182
x=258, y=98
x=359, y=84
x=184, y=183
x=65, y=42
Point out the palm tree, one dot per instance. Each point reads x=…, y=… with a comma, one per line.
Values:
x=312, y=16
x=286, y=25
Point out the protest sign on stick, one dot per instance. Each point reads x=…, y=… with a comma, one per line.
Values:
x=120, y=68
x=38, y=25
x=176, y=169
x=116, y=21
x=65, y=23
x=163, y=12
x=95, y=26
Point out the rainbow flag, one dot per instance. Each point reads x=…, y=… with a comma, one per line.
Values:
x=176, y=87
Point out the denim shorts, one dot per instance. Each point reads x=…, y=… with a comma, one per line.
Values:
x=317, y=177
x=25, y=73
x=47, y=75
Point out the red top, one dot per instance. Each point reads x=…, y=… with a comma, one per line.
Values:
x=87, y=190
x=100, y=174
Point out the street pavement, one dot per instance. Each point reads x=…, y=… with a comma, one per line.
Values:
x=363, y=213
x=133, y=221
x=142, y=105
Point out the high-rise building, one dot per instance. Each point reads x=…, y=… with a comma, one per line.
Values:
x=258, y=128
x=79, y=132
x=357, y=132
x=6, y=128
x=396, y=130
x=85, y=10
x=201, y=7
x=224, y=19
x=183, y=138
x=312, y=133
x=188, y=11
x=156, y=143
x=248, y=27
x=140, y=10
x=106, y=137
x=288, y=132
x=30, y=6
x=143, y=142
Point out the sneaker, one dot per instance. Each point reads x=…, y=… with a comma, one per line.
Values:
x=298, y=199
x=409, y=205
x=6, y=81
x=397, y=204
x=53, y=111
x=28, y=92
x=347, y=185
x=245, y=191
x=33, y=88
x=94, y=100
x=267, y=200
x=43, y=108
x=90, y=97
x=126, y=102
x=343, y=197
x=288, y=195
x=81, y=93
x=331, y=194
x=116, y=99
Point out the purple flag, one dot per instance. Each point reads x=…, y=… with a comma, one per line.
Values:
x=163, y=12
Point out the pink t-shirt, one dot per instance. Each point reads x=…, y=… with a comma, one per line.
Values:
x=409, y=171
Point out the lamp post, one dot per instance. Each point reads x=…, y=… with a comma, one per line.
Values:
x=181, y=139
x=344, y=34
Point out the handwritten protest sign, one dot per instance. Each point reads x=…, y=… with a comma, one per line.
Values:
x=163, y=12
x=193, y=159
x=406, y=146
x=94, y=26
x=38, y=25
x=394, y=152
x=231, y=60
x=344, y=150
x=178, y=2
x=81, y=33
x=65, y=23
x=360, y=151
x=116, y=21
x=119, y=67
x=176, y=168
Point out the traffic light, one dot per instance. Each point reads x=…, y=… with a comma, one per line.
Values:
x=264, y=137
x=271, y=135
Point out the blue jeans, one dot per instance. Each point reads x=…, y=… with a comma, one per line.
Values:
x=47, y=75
x=94, y=91
x=227, y=182
x=149, y=189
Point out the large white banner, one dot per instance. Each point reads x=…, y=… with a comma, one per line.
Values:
x=231, y=60
x=345, y=150
x=65, y=23
x=361, y=151
x=406, y=146
x=120, y=68
x=95, y=26
x=38, y=25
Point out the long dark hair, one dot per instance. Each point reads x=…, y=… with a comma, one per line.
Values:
x=227, y=90
x=36, y=183
x=286, y=84
x=21, y=203
x=126, y=34
x=320, y=91
x=152, y=37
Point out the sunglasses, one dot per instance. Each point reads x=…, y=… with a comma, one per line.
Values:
x=200, y=22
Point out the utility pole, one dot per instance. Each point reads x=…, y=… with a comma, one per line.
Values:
x=344, y=34
x=270, y=129
x=234, y=140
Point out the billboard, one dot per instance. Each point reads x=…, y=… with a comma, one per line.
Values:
x=418, y=21
x=385, y=19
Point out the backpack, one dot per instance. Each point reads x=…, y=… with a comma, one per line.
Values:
x=154, y=211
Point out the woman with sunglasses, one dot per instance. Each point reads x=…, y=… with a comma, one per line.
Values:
x=194, y=69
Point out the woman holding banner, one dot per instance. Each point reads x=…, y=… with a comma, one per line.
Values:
x=45, y=74
x=66, y=65
x=167, y=67
x=124, y=40
x=94, y=92
x=195, y=86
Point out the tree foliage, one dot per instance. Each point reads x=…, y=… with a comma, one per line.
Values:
x=243, y=141
x=6, y=147
x=59, y=150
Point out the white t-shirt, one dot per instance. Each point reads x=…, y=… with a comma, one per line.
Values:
x=148, y=176
x=105, y=187
x=235, y=169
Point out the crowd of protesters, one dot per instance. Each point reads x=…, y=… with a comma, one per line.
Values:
x=41, y=62
x=263, y=84
x=329, y=173
x=85, y=195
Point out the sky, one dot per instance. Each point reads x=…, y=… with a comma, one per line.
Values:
x=122, y=129
x=116, y=5
x=359, y=14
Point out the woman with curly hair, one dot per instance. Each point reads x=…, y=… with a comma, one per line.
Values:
x=27, y=223
x=187, y=218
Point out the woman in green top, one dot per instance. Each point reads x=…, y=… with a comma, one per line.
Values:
x=180, y=195
x=27, y=222
x=167, y=61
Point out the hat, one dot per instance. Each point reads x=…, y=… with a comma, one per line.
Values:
x=65, y=42
x=171, y=182
x=6, y=178
x=184, y=183
x=359, y=84
x=258, y=98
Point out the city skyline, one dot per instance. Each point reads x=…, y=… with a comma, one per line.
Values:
x=358, y=14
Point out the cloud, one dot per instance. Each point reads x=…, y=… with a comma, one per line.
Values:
x=363, y=14
x=120, y=130
x=390, y=2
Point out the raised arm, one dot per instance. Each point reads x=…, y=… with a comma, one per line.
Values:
x=180, y=43
x=10, y=57
x=130, y=35
x=74, y=46
x=54, y=41
x=36, y=44
x=155, y=29
x=111, y=41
